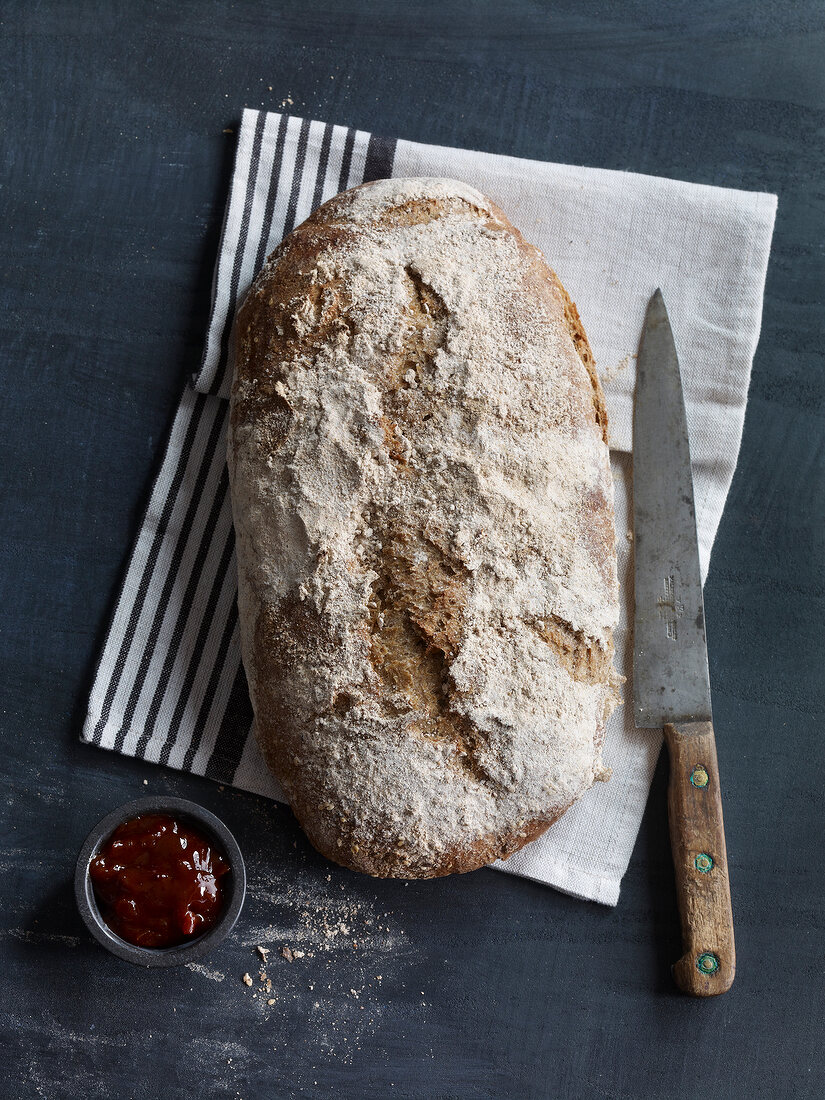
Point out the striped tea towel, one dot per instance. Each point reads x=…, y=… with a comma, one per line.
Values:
x=170, y=687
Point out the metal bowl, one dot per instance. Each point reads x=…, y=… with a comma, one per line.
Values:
x=233, y=883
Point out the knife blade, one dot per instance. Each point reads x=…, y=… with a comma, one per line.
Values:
x=671, y=683
x=670, y=657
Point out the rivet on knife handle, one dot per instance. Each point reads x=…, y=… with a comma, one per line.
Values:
x=697, y=838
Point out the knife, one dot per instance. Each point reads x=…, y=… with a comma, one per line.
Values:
x=671, y=685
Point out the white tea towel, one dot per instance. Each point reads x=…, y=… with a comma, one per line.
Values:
x=169, y=685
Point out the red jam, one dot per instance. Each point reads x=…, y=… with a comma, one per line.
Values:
x=157, y=881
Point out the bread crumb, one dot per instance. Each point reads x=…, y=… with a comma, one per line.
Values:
x=263, y=952
x=607, y=374
x=246, y=979
x=287, y=954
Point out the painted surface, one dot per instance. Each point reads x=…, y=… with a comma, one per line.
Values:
x=115, y=167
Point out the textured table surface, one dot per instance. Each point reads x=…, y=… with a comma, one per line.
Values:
x=116, y=154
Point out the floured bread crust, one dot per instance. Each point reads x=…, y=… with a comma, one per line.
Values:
x=423, y=505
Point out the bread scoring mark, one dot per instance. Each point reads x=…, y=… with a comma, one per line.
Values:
x=428, y=318
x=582, y=656
x=415, y=606
x=398, y=211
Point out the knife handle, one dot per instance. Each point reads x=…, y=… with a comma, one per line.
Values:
x=697, y=839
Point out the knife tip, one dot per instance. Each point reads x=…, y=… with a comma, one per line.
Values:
x=656, y=308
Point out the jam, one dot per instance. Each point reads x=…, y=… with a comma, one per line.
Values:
x=158, y=881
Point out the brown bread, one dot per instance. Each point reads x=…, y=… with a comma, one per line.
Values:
x=423, y=505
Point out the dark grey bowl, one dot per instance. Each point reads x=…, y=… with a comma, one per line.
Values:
x=234, y=883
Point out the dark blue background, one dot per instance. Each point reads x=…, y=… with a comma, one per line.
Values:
x=115, y=169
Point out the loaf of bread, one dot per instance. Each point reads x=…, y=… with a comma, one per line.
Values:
x=423, y=506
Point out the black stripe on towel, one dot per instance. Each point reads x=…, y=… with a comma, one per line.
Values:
x=346, y=160
x=323, y=161
x=272, y=193
x=240, y=248
x=380, y=158
x=297, y=177
x=234, y=733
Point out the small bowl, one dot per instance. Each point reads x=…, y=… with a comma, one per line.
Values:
x=233, y=883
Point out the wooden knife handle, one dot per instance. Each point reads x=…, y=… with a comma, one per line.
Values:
x=697, y=838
